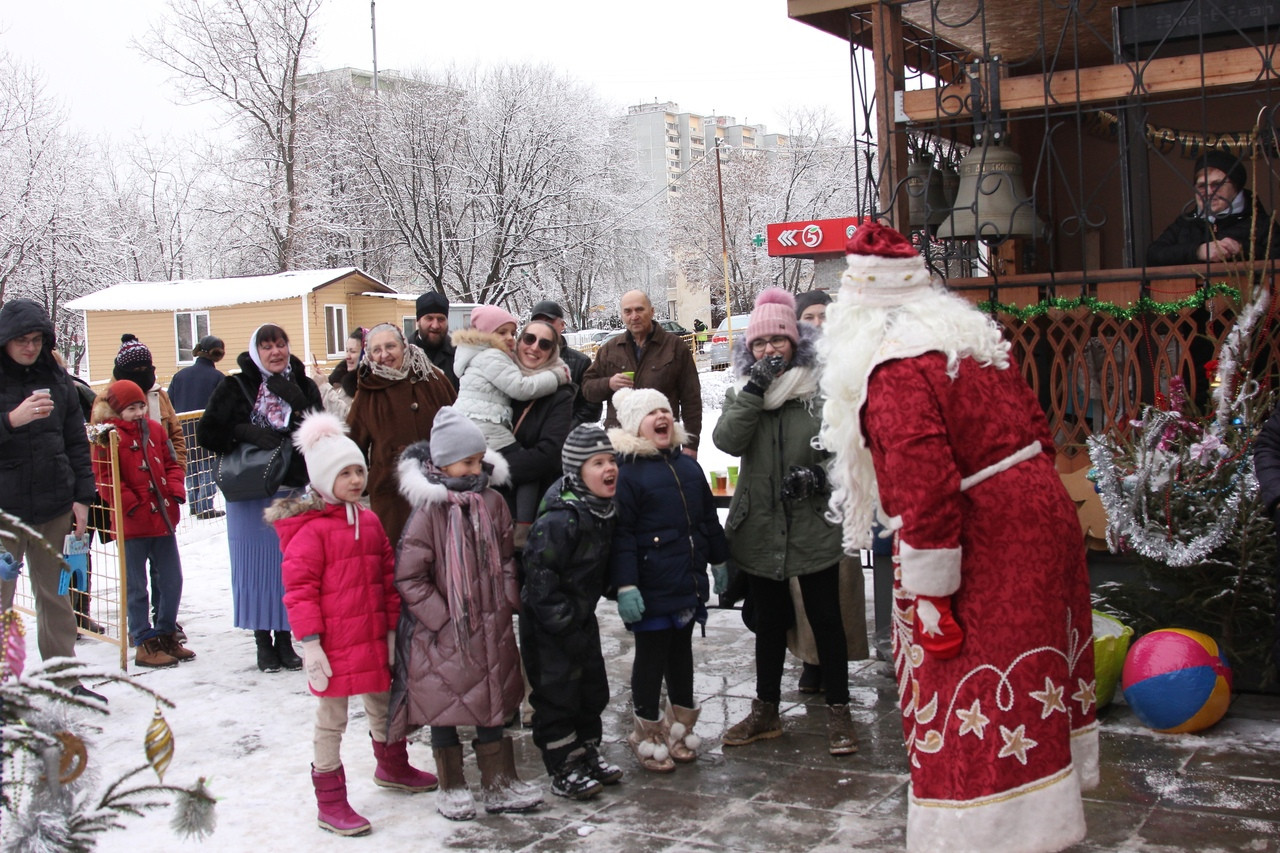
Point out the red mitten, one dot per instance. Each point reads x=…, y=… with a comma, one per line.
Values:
x=936, y=630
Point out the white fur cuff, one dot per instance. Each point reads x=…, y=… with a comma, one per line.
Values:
x=930, y=571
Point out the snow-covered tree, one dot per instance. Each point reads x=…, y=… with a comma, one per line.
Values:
x=248, y=55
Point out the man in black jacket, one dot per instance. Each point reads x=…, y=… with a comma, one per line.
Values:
x=189, y=391
x=432, y=336
x=48, y=475
x=584, y=411
x=1226, y=224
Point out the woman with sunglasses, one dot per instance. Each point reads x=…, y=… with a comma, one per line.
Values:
x=540, y=427
x=770, y=420
x=398, y=392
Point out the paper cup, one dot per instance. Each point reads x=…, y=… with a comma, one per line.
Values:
x=733, y=475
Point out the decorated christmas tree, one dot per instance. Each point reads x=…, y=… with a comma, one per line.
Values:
x=1179, y=489
x=52, y=797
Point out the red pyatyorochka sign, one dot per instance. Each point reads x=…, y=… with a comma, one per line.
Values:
x=810, y=238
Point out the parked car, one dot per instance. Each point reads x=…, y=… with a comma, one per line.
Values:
x=674, y=328
x=719, y=350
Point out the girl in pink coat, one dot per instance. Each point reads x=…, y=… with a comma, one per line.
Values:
x=341, y=598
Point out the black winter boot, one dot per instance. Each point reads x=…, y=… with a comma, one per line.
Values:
x=268, y=658
x=284, y=649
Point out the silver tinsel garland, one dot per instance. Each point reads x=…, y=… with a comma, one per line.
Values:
x=1130, y=523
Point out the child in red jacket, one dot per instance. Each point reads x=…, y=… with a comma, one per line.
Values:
x=151, y=488
x=340, y=594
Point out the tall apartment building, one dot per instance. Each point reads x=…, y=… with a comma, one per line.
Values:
x=667, y=143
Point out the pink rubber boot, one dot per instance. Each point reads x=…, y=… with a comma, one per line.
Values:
x=394, y=770
x=336, y=814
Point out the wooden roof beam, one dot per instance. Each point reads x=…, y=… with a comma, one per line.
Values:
x=1241, y=66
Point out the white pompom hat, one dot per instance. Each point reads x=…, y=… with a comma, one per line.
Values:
x=322, y=438
x=633, y=404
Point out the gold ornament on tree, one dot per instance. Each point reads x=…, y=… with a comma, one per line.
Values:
x=159, y=744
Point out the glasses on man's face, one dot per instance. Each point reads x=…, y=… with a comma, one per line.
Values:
x=30, y=340
x=1211, y=187
x=531, y=339
x=777, y=342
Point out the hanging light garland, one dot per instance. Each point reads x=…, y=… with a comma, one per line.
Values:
x=1143, y=305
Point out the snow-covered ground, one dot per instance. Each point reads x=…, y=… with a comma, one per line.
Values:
x=249, y=733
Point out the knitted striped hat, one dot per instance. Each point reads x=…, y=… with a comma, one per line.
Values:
x=133, y=353
x=585, y=441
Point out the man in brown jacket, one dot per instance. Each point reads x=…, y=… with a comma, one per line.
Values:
x=655, y=358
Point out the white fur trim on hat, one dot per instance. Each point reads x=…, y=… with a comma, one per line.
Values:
x=322, y=439
x=633, y=404
x=880, y=282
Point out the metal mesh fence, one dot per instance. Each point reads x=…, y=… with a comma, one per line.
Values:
x=98, y=594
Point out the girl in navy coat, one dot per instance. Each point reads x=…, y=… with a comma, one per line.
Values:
x=667, y=532
x=339, y=591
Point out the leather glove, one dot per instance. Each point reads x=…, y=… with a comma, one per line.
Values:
x=316, y=663
x=9, y=567
x=288, y=391
x=936, y=630
x=762, y=374
x=803, y=482
x=720, y=576
x=267, y=439
x=391, y=648
x=630, y=604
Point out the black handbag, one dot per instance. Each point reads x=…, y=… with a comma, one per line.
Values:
x=248, y=472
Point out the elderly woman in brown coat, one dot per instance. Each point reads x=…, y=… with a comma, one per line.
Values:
x=397, y=397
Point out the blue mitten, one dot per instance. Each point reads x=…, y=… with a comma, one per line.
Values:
x=720, y=576
x=9, y=567
x=630, y=604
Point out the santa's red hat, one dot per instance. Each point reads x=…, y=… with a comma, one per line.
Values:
x=884, y=270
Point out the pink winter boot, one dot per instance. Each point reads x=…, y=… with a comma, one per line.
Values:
x=336, y=814
x=394, y=770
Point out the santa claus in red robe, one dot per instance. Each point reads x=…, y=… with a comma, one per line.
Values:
x=992, y=637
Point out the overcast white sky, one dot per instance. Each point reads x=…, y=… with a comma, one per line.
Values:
x=742, y=58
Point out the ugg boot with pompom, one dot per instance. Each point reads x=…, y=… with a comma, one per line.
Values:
x=682, y=743
x=649, y=743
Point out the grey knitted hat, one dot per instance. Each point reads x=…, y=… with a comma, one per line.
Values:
x=454, y=437
x=585, y=441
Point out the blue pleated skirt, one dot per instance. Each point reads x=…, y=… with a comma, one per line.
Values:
x=257, y=585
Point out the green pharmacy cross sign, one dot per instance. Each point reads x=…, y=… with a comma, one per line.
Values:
x=757, y=240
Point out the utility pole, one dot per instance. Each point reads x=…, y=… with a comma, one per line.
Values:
x=373, y=28
x=724, y=249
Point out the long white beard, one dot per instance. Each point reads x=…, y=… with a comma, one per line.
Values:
x=859, y=337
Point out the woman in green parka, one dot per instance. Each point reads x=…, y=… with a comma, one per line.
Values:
x=777, y=527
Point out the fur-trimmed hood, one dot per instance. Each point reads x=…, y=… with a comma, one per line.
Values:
x=102, y=411
x=289, y=507
x=469, y=343
x=415, y=464
x=806, y=351
x=634, y=445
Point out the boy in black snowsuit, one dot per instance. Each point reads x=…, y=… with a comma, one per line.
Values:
x=566, y=566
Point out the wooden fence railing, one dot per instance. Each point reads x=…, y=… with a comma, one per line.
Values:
x=1094, y=370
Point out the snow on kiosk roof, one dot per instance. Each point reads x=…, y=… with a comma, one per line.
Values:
x=197, y=294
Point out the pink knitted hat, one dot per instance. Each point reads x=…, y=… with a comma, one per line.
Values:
x=774, y=314
x=488, y=318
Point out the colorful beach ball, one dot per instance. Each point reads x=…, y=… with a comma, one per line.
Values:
x=1176, y=680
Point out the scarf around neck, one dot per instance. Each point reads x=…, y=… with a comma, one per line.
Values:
x=472, y=554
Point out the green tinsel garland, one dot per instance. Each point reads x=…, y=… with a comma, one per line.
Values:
x=1144, y=305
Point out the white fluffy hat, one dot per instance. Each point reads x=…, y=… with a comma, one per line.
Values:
x=632, y=404
x=322, y=438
